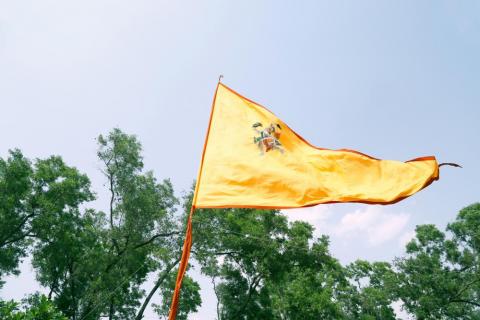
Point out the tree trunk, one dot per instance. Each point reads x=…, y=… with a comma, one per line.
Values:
x=72, y=291
x=111, y=310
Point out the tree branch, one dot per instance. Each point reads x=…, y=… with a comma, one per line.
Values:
x=121, y=252
x=224, y=253
x=112, y=200
x=160, y=235
x=218, y=298
x=7, y=240
x=251, y=289
x=160, y=280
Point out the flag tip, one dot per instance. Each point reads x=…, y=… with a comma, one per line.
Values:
x=220, y=78
x=451, y=164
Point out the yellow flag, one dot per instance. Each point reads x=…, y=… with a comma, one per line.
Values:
x=253, y=159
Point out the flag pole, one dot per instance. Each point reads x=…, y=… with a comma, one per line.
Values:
x=187, y=243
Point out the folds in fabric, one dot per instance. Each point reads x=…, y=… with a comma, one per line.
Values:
x=253, y=159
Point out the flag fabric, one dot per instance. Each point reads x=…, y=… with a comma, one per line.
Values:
x=252, y=159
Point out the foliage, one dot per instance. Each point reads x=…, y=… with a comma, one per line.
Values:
x=36, y=307
x=263, y=267
x=370, y=295
x=190, y=298
x=266, y=268
x=15, y=211
x=94, y=262
x=440, y=276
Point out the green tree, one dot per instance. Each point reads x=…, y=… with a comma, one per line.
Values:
x=190, y=298
x=310, y=286
x=36, y=307
x=59, y=191
x=143, y=233
x=15, y=210
x=94, y=262
x=234, y=246
x=371, y=291
x=262, y=267
x=440, y=276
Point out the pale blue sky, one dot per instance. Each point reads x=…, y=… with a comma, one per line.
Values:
x=393, y=79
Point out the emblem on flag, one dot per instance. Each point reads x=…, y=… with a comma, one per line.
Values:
x=268, y=138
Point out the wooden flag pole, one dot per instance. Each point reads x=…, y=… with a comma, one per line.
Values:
x=187, y=243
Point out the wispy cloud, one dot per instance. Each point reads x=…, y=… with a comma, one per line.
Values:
x=372, y=223
x=317, y=216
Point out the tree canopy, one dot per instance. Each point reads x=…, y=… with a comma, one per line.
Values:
x=94, y=261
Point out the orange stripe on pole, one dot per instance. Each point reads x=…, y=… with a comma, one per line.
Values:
x=187, y=244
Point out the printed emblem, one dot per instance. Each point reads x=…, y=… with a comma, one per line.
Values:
x=268, y=138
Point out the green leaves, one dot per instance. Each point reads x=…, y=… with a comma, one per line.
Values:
x=36, y=307
x=371, y=290
x=266, y=268
x=95, y=263
x=92, y=263
x=120, y=154
x=190, y=298
x=15, y=191
x=440, y=276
